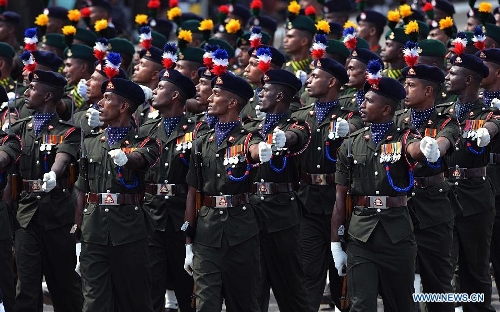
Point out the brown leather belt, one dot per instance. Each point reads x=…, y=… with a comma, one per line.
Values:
x=226, y=201
x=381, y=202
x=318, y=178
x=466, y=173
x=35, y=186
x=114, y=199
x=166, y=189
x=267, y=188
x=494, y=159
x=423, y=182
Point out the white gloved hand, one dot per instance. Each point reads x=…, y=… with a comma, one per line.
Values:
x=5, y=126
x=430, y=149
x=279, y=138
x=495, y=103
x=11, y=98
x=119, y=157
x=339, y=257
x=78, y=250
x=93, y=118
x=188, y=260
x=483, y=137
x=265, y=152
x=81, y=88
x=302, y=76
x=148, y=93
x=49, y=181
x=260, y=114
x=341, y=128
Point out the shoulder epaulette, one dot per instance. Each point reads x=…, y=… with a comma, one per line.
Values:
x=359, y=131
x=25, y=119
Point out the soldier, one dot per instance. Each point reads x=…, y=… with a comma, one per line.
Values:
x=58, y=17
x=492, y=33
x=54, y=43
x=392, y=53
x=328, y=121
x=224, y=235
x=338, y=11
x=380, y=244
x=204, y=122
x=467, y=178
x=430, y=199
x=166, y=189
x=371, y=27
x=114, y=256
x=190, y=59
x=43, y=244
x=297, y=42
x=9, y=21
x=474, y=19
x=443, y=9
x=275, y=196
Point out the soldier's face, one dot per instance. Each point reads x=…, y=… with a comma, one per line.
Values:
x=456, y=80
x=373, y=108
x=73, y=71
x=143, y=71
x=416, y=92
x=184, y=68
x=110, y=106
x=94, y=84
x=267, y=98
x=318, y=83
x=391, y=51
x=54, y=26
x=35, y=95
x=292, y=41
x=356, y=71
x=5, y=31
x=252, y=73
x=162, y=95
x=365, y=30
x=471, y=24
x=438, y=34
x=203, y=92
x=490, y=81
x=243, y=57
x=218, y=102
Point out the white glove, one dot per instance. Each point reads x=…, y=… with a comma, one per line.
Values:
x=5, y=126
x=148, y=93
x=495, y=103
x=119, y=157
x=188, y=260
x=483, y=137
x=339, y=257
x=430, y=149
x=260, y=114
x=78, y=250
x=341, y=128
x=11, y=98
x=81, y=88
x=93, y=118
x=302, y=76
x=49, y=181
x=279, y=138
x=265, y=152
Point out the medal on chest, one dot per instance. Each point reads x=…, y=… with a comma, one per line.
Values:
x=234, y=155
x=48, y=142
x=390, y=153
x=332, y=135
x=184, y=142
x=430, y=132
x=471, y=126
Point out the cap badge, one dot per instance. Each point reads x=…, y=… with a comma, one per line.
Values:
x=207, y=72
x=482, y=55
x=354, y=53
x=392, y=36
x=110, y=85
x=266, y=78
x=318, y=63
x=256, y=21
x=219, y=81
x=181, y=56
x=148, y=53
x=69, y=54
x=35, y=76
x=166, y=74
x=362, y=16
x=412, y=72
x=289, y=25
x=458, y=60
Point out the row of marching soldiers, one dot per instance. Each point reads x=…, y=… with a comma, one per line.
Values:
x=159, y=173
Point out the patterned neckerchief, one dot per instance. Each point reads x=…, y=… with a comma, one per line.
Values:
x=379, y=130
x=40, y=120
x=222, y=129
x=489, y=96
x=321, y=109
x=462, y=109
x=116, y=134
x=360, y=97
x=270, y=121
x=419, y=117
x=211, y=120
x=170, y=123
x=394, y=73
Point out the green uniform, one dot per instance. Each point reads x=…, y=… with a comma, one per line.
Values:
x=143, y=113
x=165, y=200
x=114, y=256
x=380, y=246
x=444, y=96
x=295, y=66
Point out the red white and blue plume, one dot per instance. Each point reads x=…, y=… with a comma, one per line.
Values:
x=319, y=46
x=264, y=56
x=100, y=49
x=169, y=55
x=30, y=39
x=28, y=61
x=145, y=37
x=479, y=38
x=350, y=38
x=410, y=52
x=113, y=62
x=220, y=62
x=256, y=37
x=459, y=43
x=209, y=54
x=374, y=73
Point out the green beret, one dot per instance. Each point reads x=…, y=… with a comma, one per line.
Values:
x=432, y=47
x=6, y=50
x=159, y=40
x=80, y=51
x=192, y=54
x=223, y=44
x=54, y=40
x=423, y=29
x=493, y=31
x=191, y=25
x=245, y=39
x=397, y=35
x=121, y=45
x=337, y=47
x=86, y=36
x=362, y=43
x=303, y=23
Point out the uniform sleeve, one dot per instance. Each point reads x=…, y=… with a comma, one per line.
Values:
x=70, y=142
x=149, y=148
x=303, y=132
x=449, y=129
x=256, y=138
x=194, y=162
x=341, y=172
x=354, y=118
x=11, y=144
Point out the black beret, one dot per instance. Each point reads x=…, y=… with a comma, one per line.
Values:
x=204, y=72
x=387, y=87
x=191, y=54
x=86, y=36
x=338, y=6
x=417, y=15
x=333, y=67
x=302, y=22
x=182, y=82
x=102, y=4
x=265, y=22
x=54, y=40
x=277, y=58
x=10, y=17
x=6, y=50
x=50, y=78
x=245, y=39
x=121, y=71
x=153, y=54
x=492, y=31
x=432, y=47
x=57, y=12
x=48, y=59
x=223, y=44
x=282, y=77
x=475, y=14
x=163, y=26
x=445, y=6
x=240, y=11
x=336, y=28
x=426, y=72
x=125, y=88
x=364, y=55
x=233, y=84
x=489, y=55
x=471, y=62
x=190, y=16
x=80, y=51
x=371, y=16
x=120, y=45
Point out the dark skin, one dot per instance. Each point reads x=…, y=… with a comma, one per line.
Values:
x=167, y=100
x=392, y=53
x=296, y=44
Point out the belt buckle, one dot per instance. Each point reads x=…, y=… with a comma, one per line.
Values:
x=35, y=185
x=458, y=173
x=263, y=188
x=109, y=199
x=222, y=201
x=164, y=189
x=318, y=179
x=379, y=202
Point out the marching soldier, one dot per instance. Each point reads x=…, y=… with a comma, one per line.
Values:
x=204, y=122
x=114, y=255
x=392, y=54
x=371, y=28
x=297, y=42
x=43, y=243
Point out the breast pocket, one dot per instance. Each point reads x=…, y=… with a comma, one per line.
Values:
x=359, y=167
x=95, y=167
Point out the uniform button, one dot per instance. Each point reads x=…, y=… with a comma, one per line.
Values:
x=318, y=130
x=218, y=175
x=64, y=190
x=216, y=155
x=166, y=197
x=166, y=164
x=142, y=114
x=456, y=183
x=85, y=210
x=220, y=193
x=378, y=210
x=221, y=212
x=355, y=161
x=165, y=181
x=412, y=193
x=456, y=148
x=399, y=129
x=261, y=180
x=377, y=192
x=108, y=191
x=319, y=148
x=109, y=172
x=484, y=178
x=318, y=166
x=440, y=190
x=136, y=208
x=39, y=197
x=166, y=148
x=91, y=160
x=37, y=162
x=106, y=210
x=262, y=198
x=376, y=172
x=292, y=198
x=244, y=208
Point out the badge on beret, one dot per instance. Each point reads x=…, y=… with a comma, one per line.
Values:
x=166, y=74
x=35, y=76
x=419, y=50
x=375, y=86
x=362, y=16
x=318, y=63
x=221, y=28
x=207, y=72
x=266, y=78
x=69, y=53
x=392, y=36
x=231, y=8
x=148, y=53
x=471, y=13
x=44, y=39
x=354, y=53
x=219, y=81
x=256, y=21
x=243, y=41
x=458, y=60
x=181, y=56
x=412, y=72
x=289, y=25
x=482, y=55
x=110, y=85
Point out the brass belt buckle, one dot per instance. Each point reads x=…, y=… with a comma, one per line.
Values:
x=109, y=199
x=379, y=202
